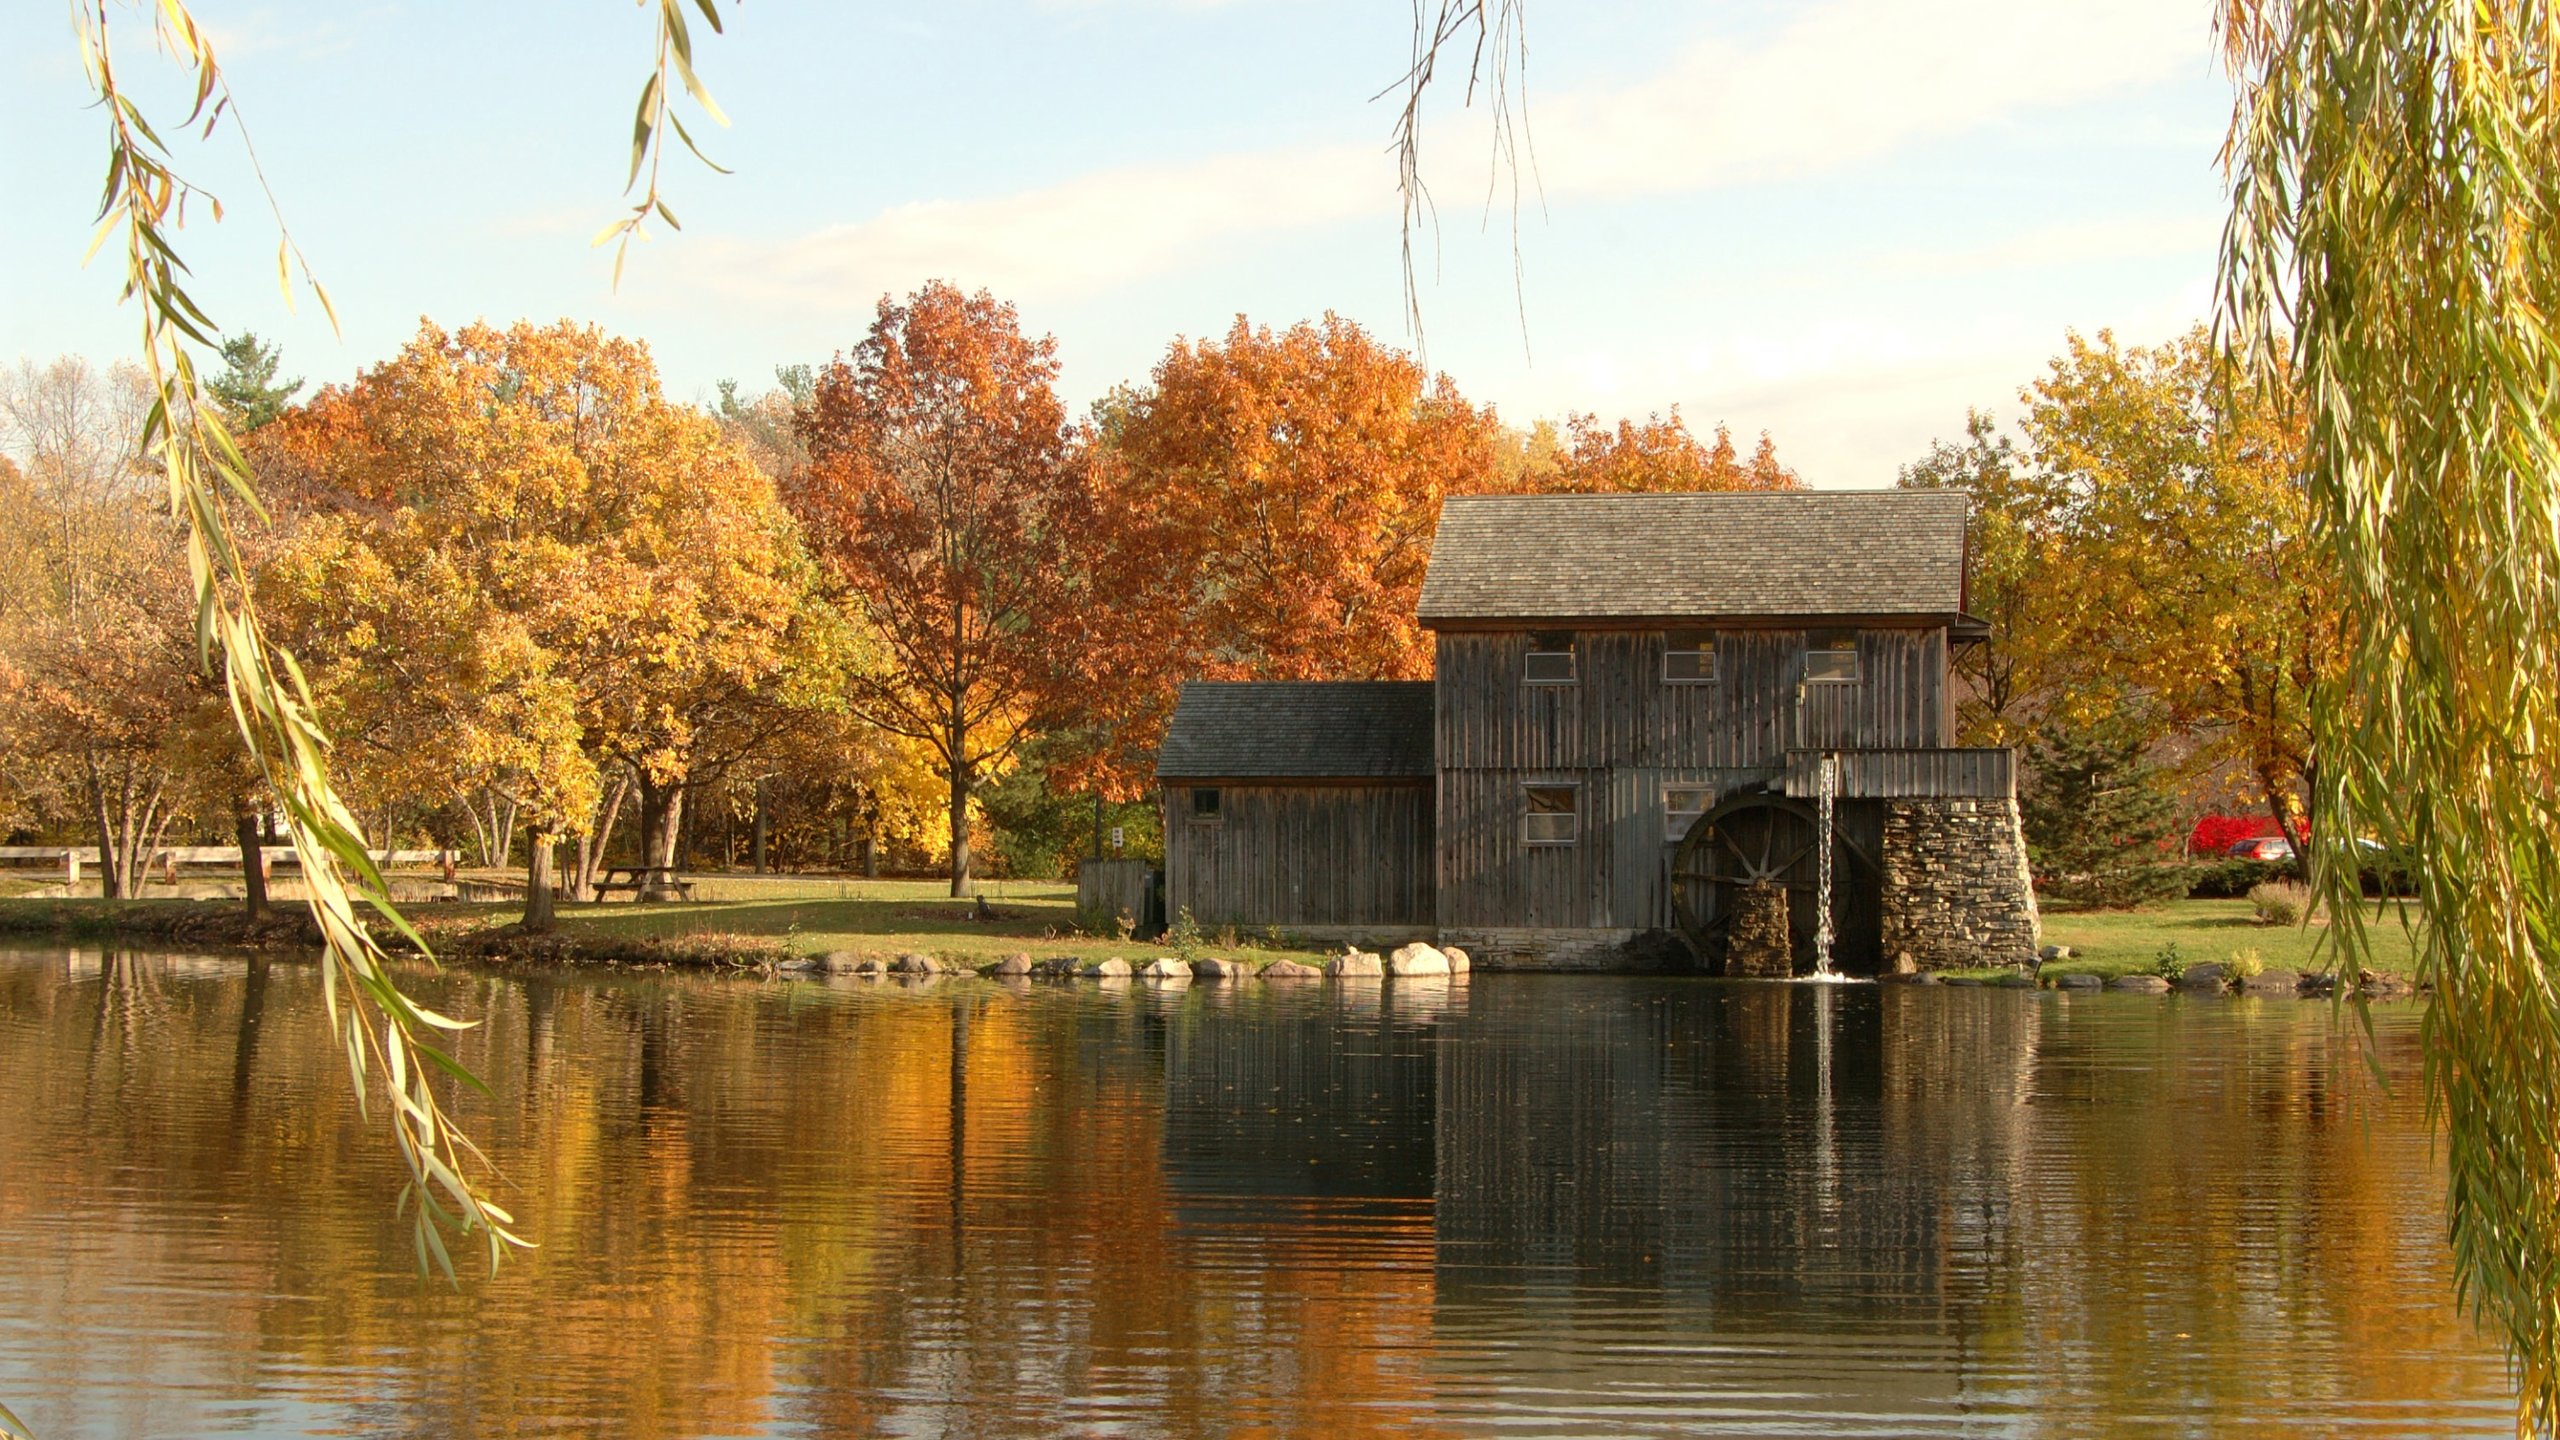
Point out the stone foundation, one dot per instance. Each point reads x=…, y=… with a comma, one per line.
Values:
x=1610, y=952
x=1761, y=943
x=1956, y=891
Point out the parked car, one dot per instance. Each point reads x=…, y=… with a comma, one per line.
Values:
x=2270, y=848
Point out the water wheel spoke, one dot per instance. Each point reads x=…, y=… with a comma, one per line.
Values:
x=1799, y=855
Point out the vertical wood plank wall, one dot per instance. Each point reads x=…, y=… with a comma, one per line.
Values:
x=1310, y=854
x=1622, y=734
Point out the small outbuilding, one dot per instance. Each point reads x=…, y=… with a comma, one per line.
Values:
x=1301, y=806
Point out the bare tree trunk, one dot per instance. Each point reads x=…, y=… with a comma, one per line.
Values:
x=539, y=916
x=253, y=865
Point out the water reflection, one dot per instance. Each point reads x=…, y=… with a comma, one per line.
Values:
x=1555, y=1205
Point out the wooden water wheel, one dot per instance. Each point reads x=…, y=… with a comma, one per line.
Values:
x=1766, y=839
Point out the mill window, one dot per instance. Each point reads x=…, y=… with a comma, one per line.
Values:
x=1691, y=660
x=1205, y=805
x=1550, y=659
x=1681, y=807
x=1831, y=655
x=1554, y=816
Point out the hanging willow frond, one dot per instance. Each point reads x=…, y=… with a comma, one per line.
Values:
x=2395, y=185
x=655, y=117
x=386, y=1034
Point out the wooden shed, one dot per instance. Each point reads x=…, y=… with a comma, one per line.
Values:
x=1301, y=806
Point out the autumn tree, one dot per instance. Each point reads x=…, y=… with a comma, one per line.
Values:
x=1268, y=502
x=942, y=497
x=1658, y=453
x=2188, y=572
x=2014, y=575
x=528, y=576
x=101, y=707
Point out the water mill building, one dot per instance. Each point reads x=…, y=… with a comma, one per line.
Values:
x=1638, y=704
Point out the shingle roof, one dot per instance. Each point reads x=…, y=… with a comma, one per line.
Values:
x=1333, y=729
x=1807, y=552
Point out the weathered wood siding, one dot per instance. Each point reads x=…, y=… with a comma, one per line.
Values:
x=1988, y=774
x=1622, y=735
x=1319, y=854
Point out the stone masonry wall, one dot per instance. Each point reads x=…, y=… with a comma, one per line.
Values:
x=1956, y=891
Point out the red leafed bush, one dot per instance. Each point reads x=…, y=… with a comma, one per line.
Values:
x=2216, y=833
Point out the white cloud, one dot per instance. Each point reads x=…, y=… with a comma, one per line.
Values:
x=1089, y=233
x=1848, y=82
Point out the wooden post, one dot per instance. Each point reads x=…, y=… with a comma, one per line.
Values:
x=70, y=871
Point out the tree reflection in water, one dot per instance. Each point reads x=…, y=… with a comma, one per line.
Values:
x=1570, y=1205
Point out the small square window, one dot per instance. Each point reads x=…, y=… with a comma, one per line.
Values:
x=1831, y=655
x=1681, y=807
x=1550, y=660
x=1691, y=658
x=1205, y=803
x=1554, y=816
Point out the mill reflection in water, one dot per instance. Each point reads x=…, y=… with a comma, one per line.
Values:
x=1553, y=1205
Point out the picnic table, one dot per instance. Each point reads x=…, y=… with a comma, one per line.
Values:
x=645, y=882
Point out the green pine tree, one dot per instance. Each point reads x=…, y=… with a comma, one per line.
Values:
x=2098, y=815
x=246, y=389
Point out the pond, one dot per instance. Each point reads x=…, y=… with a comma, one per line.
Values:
x=1518, y=1205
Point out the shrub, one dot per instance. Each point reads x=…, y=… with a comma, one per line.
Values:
x=2278, y=903
x=2233, y=879
x=2123, y=887
x=1183, y=936
x=2241, y=964
x=2168, y=964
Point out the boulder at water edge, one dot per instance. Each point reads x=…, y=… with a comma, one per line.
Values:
x=1011, y=965
x=915, y=965
x=1459, y=964
x=1114, y=968
x=2081, y=981
x=2278, y=983
x=1056, y=967
x=1167, y=968
x=1215, y=969
x=838, y=962
x=2206, y=978
x=2141, y=984
x=1417, y=959
x=1355, y=965
x=1290, y=970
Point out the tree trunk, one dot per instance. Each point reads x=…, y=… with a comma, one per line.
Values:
x=2277, y=806
x=959, y=831
x=661, y=822
x=593, y=848
x=763, y=828
x=959, y=753
x=253, y=862
x=108, y=880
x=538, y=912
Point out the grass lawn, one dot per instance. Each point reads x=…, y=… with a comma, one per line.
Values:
x=2120, y=942
x=879, y=917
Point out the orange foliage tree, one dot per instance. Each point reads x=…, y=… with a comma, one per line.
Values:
x=941, y=496
x=1658, y=453
x=1268, y=502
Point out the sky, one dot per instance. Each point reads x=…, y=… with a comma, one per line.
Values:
x=1843, y=222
